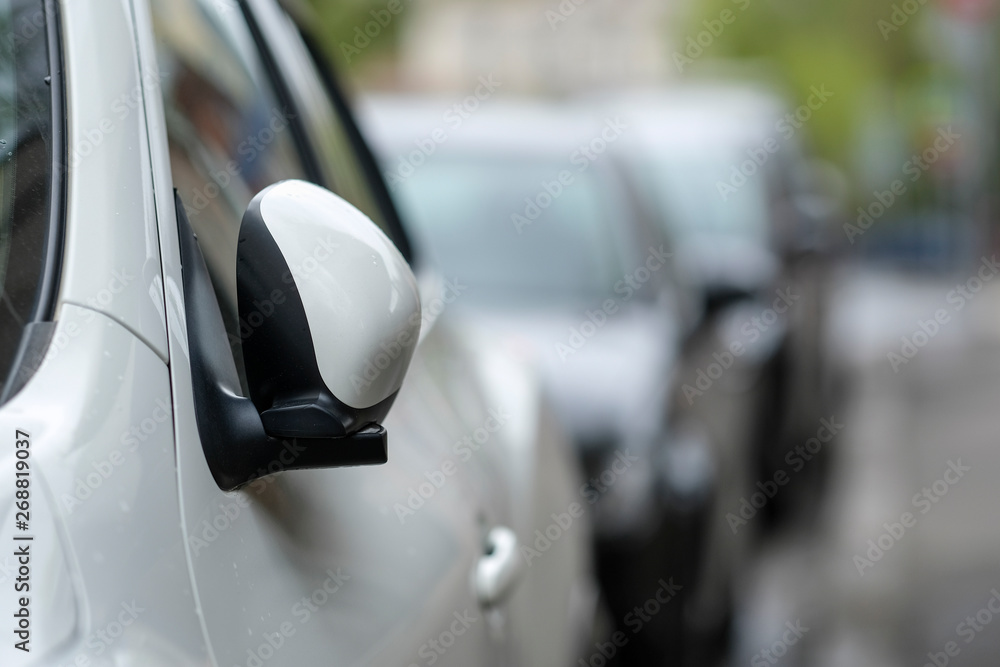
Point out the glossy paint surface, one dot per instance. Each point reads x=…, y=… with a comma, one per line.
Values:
x=359, y=295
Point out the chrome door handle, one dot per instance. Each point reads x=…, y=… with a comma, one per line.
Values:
x=499, y=570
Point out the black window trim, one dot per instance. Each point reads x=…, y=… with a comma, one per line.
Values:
x=370, y=170
x=40, y=324
x=282, y=90
x=45, y=301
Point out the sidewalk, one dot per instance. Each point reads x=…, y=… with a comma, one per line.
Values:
x=910, y=435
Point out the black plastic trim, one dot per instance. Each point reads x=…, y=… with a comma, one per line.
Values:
x=299, y=134
x=45, y=301
x=30, y=354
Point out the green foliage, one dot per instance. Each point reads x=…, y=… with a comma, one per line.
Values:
x=807, y=43
x=341, y=25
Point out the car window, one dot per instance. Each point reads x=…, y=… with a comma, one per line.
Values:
x=686, y=191
x=340, y=166
x=26, y=178
x=346, y=165
x=476, y=219
x=229, y=133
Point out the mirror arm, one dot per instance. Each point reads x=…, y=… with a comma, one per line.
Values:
x=237, y=447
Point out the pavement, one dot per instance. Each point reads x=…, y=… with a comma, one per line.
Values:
x=901, y=565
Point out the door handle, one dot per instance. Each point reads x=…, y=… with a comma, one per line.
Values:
x=499, y=569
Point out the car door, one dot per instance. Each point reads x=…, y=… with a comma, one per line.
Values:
x=512, y=448
x=341, y=567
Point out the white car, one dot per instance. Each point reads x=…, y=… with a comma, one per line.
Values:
x=179, y=406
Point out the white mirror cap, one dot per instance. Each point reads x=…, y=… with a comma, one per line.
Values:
x=358, y=293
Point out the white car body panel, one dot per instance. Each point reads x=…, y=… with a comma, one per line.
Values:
x=111, y=259
x=557, y=597
x=102, y=464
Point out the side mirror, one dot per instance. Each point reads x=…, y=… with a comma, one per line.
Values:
x=331, y=314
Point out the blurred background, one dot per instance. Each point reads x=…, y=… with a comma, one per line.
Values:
x=750, y=244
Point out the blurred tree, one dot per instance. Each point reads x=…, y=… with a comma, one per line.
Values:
x=851, y=46
x=899, y=69
x=358, y=33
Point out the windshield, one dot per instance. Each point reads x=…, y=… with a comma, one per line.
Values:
x=700, y=196
x=493, y=225
x=25, y=169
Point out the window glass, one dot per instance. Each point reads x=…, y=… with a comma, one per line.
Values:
x=686, y=191
x=229, y=134
x=25, y=169
x=568, y=249
x=338, y=158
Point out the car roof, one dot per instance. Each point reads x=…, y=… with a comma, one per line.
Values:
x=697, y=116
x=513, y=126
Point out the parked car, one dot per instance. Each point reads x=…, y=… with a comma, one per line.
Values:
x=721, y=166
x=199, y=335
x=521, y=203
